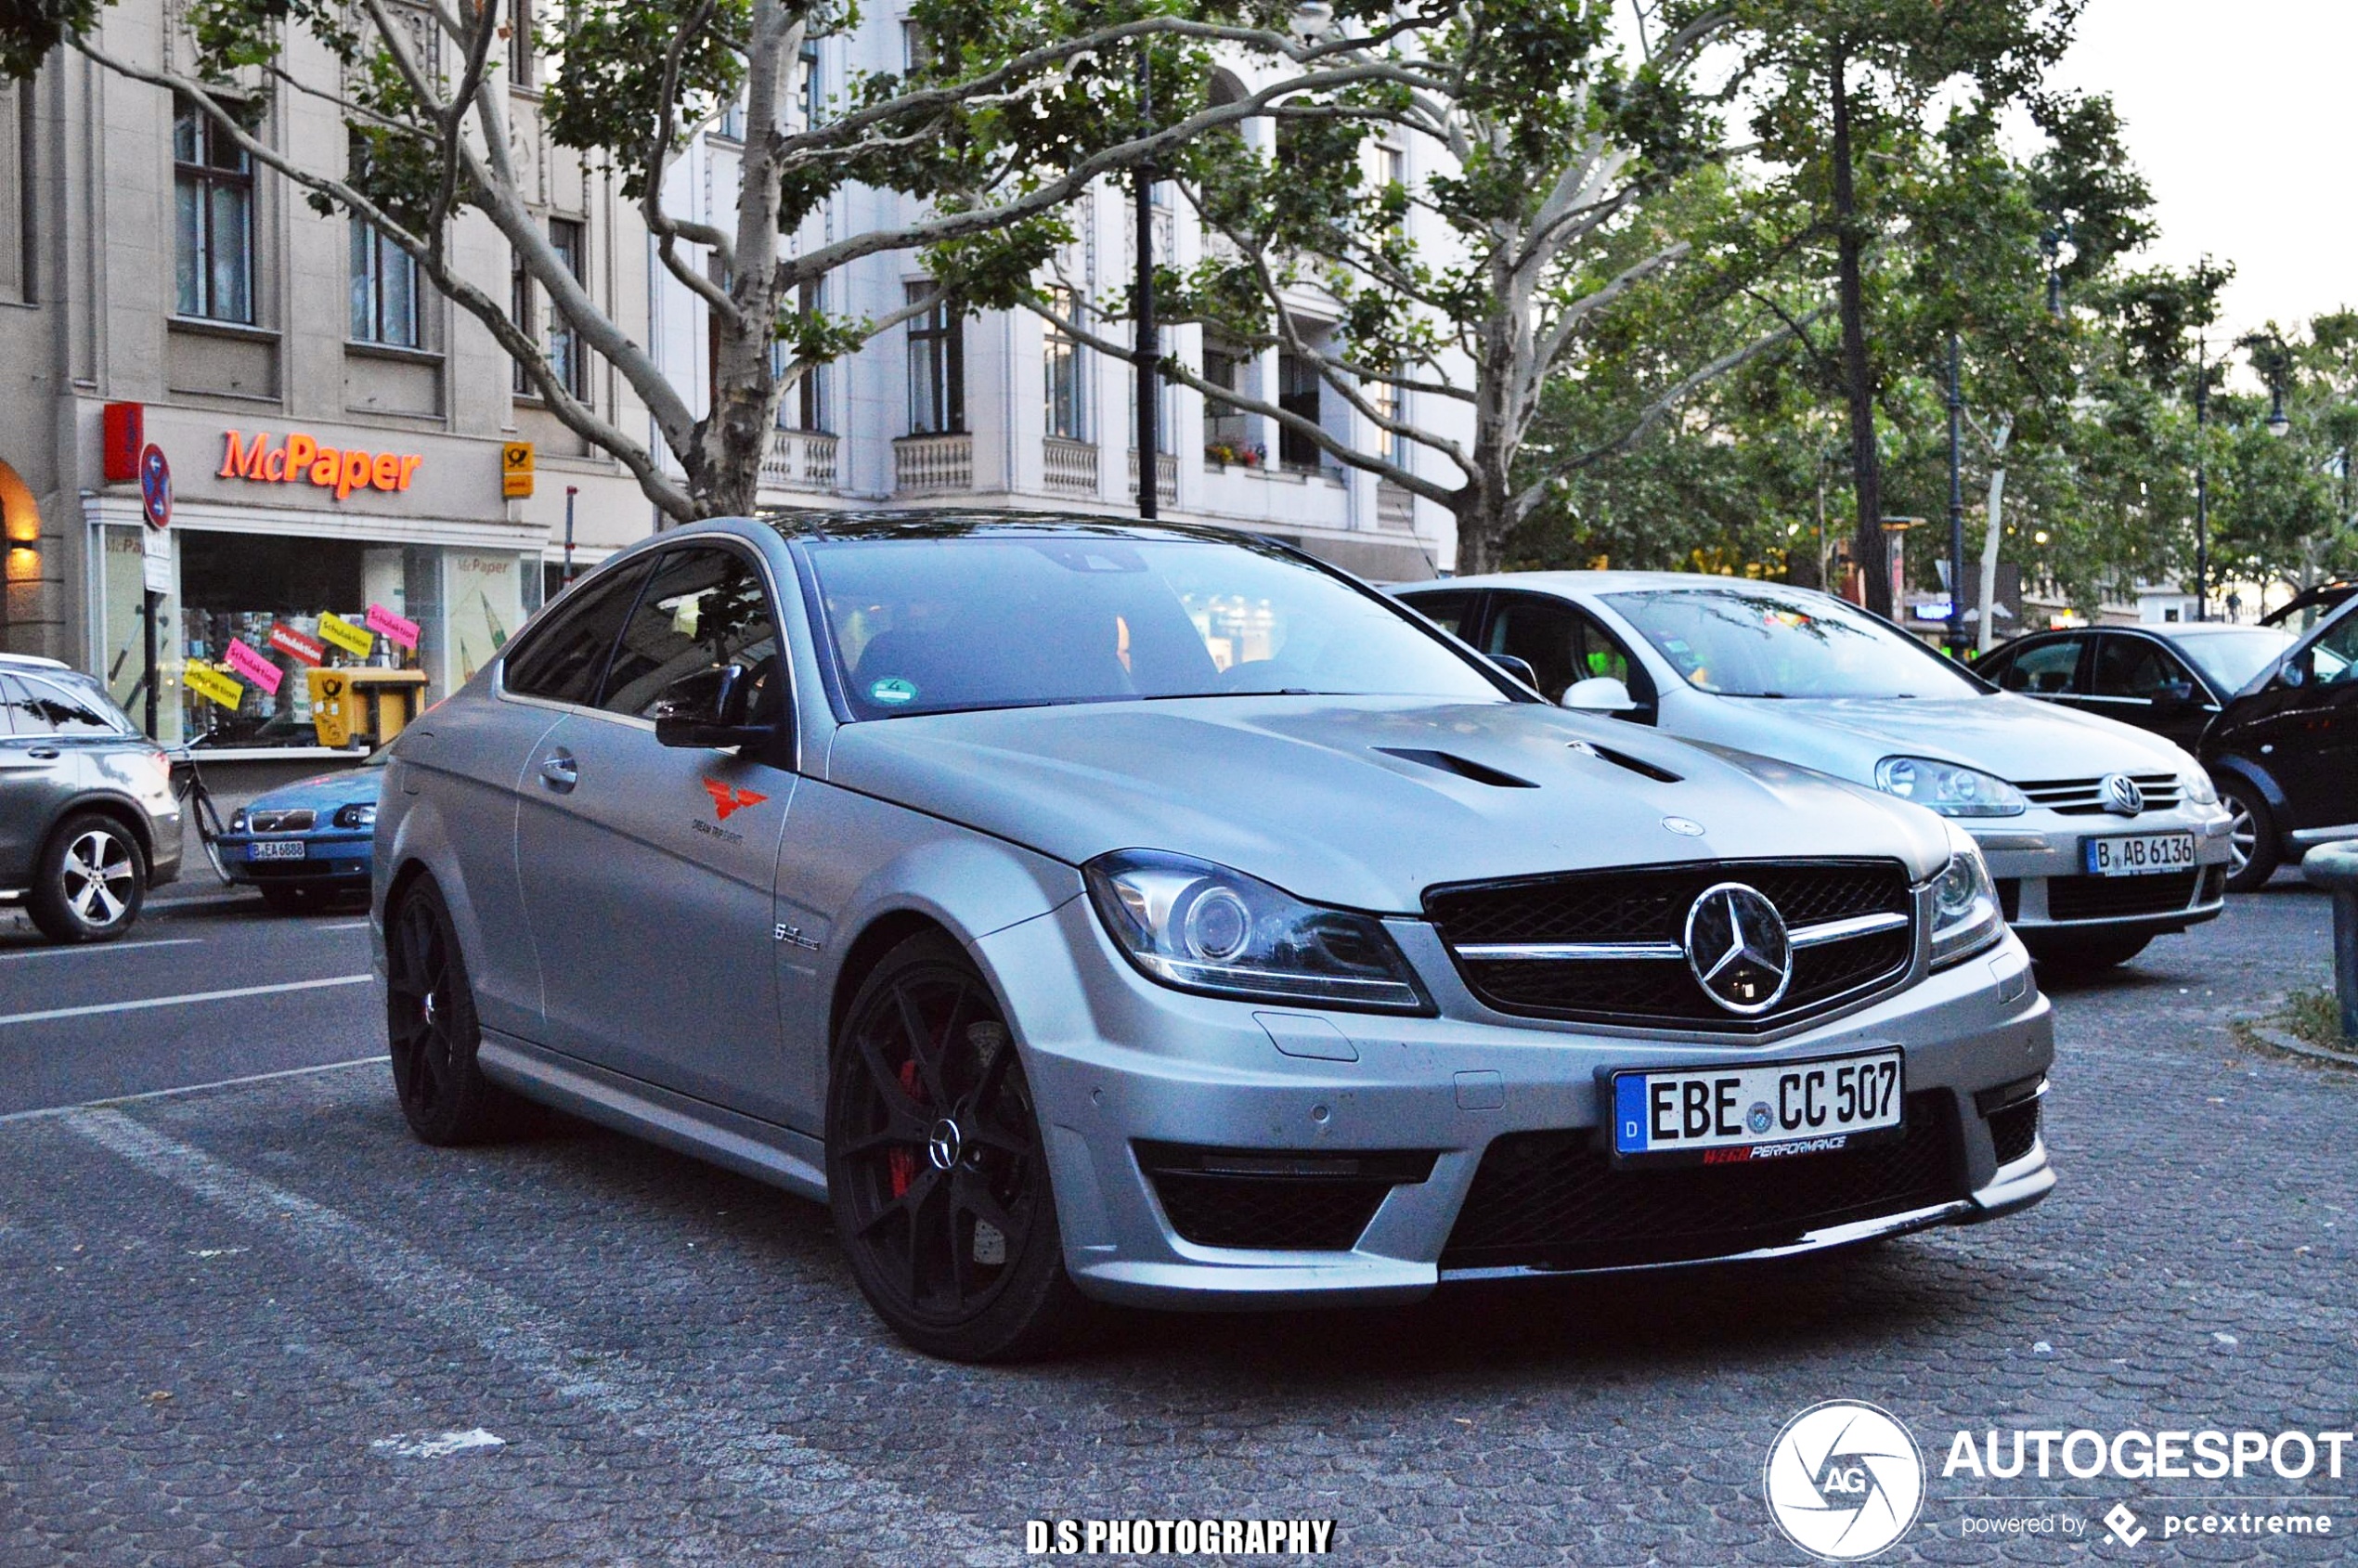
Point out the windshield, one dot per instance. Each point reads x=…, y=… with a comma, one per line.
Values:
x=1010, y=621
x=2232, y=659
x=1755, y=639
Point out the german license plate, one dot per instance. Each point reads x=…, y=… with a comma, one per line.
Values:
x=276, y=850
x=2138, y=854
x=1734, y=1115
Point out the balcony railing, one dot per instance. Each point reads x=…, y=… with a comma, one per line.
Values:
x=1166, y=478
x=933, y=465
x=1068, y=467
x=801, y=460
x=1395, y=506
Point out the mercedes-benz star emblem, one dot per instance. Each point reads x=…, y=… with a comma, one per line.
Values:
x=2122, y=797
x=1737, y=947
x=942, y=1144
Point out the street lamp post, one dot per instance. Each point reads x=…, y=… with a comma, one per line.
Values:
x=1956, y=516
x=1148, y=355
x=2202, y=484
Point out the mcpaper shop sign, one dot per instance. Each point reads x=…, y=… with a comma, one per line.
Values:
x=300, y=457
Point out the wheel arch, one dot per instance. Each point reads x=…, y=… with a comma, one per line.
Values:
x=114, y=807
x=2244, y=770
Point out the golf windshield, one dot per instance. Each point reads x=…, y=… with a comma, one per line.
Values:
x=2232, y=659
x=1015, y=620
x=1756, y=640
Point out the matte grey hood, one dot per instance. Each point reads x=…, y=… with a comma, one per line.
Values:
x=2014, y=737
x=1309, y=793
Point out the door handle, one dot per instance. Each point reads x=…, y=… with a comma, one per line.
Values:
x=560, y=773
x=45, y=754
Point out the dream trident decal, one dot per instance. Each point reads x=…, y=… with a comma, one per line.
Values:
x=727, y=800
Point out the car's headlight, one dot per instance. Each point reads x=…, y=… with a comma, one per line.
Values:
x=1965, y=914
x=1948, y=789
x=2197, y=789
x=360, y=815
x=1203, y=927
x=237, y=819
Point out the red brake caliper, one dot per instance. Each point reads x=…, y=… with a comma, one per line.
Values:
x=902, y=1162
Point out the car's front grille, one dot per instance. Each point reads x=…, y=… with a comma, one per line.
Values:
x=1555, y=1200
x=294, y=821
x=1275, y=1200
x=1635, y=919
x=2014, y=1131
x=2085, y=798
x=2108, y=898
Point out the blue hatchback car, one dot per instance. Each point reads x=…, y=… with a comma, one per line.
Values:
x=306, y=841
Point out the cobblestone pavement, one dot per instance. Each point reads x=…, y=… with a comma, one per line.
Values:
x=225, y=1316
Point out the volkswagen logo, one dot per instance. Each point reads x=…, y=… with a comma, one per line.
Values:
x=2121, y=795
x=1736, y=945
x=942, y=1145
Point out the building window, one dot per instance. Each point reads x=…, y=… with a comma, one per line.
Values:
x=213, y=199
x=519, y=42
x=1227, y=431
x=808, y=89
x=17, y=247
x=915, y=52
x=937, y=367
x=1297, y=393
x=731, y=124
x=1391, y=403
x=1063, y=369
x=384, y=289
x=562, y=344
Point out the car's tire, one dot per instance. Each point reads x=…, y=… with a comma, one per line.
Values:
x=290, y=901
x=430, y=1027
x=90, y=881
x=2088, y=956
x=936, y=1165
x=2251, y=837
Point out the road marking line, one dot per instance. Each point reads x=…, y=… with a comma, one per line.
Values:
x=178, y=1001
x=343, y=926
x=97, y=947
x=188, y=1089
x=793, y=1480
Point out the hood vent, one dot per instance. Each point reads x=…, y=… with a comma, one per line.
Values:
x=1464, y=767
x=1623, y=759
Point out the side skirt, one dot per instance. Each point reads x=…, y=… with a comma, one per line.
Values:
x=762, y=1151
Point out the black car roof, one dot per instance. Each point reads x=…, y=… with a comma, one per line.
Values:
x=961, y=525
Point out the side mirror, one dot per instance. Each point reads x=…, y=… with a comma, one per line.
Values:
x=1520, y=669
x=2296, y=671
x=1598, y=693
x=709, y=710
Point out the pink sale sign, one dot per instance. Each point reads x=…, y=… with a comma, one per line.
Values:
x=253, y=666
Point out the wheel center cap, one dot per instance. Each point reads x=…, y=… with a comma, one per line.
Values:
x=431, y=1008
x=942, y=1145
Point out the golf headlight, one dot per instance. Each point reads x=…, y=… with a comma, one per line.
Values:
x=1948, y=789
x=2197, y=789
x=1965, y=916
x=1203, y=927
x=362, y=815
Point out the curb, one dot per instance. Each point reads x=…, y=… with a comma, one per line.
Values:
x=2276, y=1039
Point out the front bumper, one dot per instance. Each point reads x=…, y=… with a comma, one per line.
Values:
x=1117, y=1062
x=2036, y=859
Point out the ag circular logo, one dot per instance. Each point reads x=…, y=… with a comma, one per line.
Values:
x=1843, y=1480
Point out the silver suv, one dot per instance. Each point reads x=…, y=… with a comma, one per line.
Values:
x=88, y=821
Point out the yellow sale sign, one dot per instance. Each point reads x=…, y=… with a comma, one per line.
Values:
x=212, y=684
x=354, y=640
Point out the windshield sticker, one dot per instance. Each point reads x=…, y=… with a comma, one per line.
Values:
x=892, y=691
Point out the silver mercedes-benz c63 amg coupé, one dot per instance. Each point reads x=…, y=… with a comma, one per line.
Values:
x=1155, y=915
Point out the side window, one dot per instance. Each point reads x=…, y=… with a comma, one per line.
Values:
x=2139, y=668
x=2044, y=670
x=1450, y=612
x=705, y=606
x=563, y=658
x=1562, y=643
x=15, y=717
x=57, y=708
x=2333, y=659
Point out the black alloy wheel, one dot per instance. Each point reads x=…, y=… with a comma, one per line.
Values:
x=935, y=1170
x=430, y=1024
x=90, y=882
x=2251, y=837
